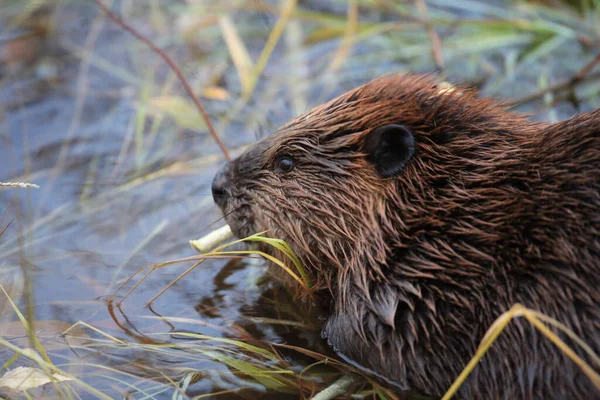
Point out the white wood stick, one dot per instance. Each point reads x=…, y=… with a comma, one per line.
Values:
x=212, y=240
x=336, y=389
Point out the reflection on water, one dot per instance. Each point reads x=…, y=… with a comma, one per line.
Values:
x=125, y=185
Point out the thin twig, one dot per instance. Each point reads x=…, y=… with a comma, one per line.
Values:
x=81, y=97
x=436, y=44
x=175, y=69
x=586, y=69
x=571, y=83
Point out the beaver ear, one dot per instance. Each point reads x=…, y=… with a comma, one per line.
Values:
x=389, y=148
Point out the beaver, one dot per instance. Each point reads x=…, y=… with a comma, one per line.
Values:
x=423, y=215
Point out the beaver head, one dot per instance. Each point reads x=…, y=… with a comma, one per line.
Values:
x=343, y=183
x=424, y=213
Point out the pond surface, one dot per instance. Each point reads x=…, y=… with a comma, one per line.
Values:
x=95, y=119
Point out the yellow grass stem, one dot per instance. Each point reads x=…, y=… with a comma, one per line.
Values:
x=533, y=317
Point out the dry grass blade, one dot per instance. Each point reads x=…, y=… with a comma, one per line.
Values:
x=286, y=13
x=279, y=244
x=93, y=328
x=580, y=77
x=151, y=268
x=238, y=51
x=304, y=279
x=122, y=285
x=243, y=345
x=313, y=354
x=19, y=184
x=268, y=257
x=348, y=39
x=25, y=323
x=532, y=316
x=268, y=378
x=5, y=228
x=436, y=44
x=282, y=246
x=44, y=362
x=175, y=69
x=589, y=371
x=568, y=332
x=179, y=109
x=163, y=290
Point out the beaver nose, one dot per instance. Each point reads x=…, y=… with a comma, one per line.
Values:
x=220, y=187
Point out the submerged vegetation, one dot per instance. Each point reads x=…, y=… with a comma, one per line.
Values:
x=124, y=160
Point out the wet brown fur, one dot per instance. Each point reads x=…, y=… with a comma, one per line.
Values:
x=491, y=210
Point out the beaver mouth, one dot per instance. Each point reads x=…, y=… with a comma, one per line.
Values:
x=241, y=221
x=234, y=199
x=234, y=206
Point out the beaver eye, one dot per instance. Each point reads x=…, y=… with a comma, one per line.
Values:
x=284, y=164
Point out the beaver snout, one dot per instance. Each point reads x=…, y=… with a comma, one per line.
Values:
x=221, y=187
x=232, y=198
